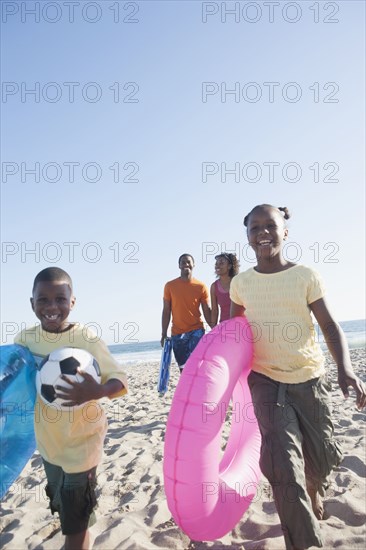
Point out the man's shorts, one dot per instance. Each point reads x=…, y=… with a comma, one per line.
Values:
x=184, y=344
x=72, y=496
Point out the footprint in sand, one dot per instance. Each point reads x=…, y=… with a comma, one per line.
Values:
x=345, y=423
x=354, y=464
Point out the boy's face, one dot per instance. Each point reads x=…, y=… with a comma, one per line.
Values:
x=52, y=302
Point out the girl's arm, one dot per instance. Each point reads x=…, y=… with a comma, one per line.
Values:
x=338, y=347
x=236, y=310
x=214, y=307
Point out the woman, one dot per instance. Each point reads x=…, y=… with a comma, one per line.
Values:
x=226, y=267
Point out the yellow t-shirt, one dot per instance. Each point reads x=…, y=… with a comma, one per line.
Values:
x=72, y=439
x=185, y=298
x=277, y=307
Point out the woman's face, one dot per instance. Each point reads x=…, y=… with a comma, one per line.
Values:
x=222, y=266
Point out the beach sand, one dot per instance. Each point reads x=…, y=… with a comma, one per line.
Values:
x=133, y=513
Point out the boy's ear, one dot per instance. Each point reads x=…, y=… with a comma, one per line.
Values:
x=285, y=234
x=72, y=302
x=32, y=303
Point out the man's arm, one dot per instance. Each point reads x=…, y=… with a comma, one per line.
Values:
x=206, y=312
x=165, y=320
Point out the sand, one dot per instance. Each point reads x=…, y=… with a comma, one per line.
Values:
x=133, y=513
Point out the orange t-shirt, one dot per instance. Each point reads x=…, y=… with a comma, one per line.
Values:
x=185, y=298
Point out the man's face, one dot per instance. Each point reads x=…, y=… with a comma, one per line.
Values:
x=52, y=302
x=186, y=265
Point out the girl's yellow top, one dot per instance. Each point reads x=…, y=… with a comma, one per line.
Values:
x=68, y=437
x=277, y=307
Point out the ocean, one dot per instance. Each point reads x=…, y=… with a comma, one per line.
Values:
x=146, y=352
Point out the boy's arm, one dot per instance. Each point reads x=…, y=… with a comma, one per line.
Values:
x=338, y=347
x=111, y=387
x=87, y=390
x=165, y=320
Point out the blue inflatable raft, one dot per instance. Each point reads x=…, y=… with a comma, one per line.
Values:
x=164, y=373
x=17, y=398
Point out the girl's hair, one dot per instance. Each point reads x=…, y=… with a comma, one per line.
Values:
x=283, y=209
x=233, y=261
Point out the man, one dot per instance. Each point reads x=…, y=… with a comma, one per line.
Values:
x=183, y=298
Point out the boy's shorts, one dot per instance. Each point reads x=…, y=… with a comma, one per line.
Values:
x=72, y=496
x=184, y=344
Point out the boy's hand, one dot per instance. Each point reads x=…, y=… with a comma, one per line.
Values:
x=79, y=392
x=346, y=379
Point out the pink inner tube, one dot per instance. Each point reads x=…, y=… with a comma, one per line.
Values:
x=206, y=496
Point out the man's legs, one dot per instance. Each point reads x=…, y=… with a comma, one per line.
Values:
x=184, y=344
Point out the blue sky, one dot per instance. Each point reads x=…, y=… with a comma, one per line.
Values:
x=145, y=89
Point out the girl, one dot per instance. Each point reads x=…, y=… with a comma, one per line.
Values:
x=289, y=389
x=226, y=267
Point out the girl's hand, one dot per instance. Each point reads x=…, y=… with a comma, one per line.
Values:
x=346, y=379
x=79, y=392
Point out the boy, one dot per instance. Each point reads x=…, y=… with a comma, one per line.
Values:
x=71, y=445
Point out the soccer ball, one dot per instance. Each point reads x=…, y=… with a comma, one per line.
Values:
x=64, y=361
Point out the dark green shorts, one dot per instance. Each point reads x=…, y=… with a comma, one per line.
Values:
x=72, y=496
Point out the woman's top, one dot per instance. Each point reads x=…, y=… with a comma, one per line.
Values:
x=223, y=299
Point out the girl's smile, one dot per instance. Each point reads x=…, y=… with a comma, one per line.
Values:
x=266, y=232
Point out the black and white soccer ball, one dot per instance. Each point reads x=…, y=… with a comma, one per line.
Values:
x=64, y=361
